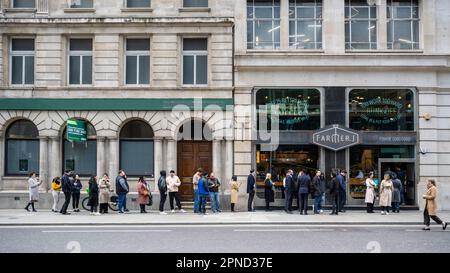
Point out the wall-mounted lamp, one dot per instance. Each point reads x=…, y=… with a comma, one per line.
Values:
x=427, y=116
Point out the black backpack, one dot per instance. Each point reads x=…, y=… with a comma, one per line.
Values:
x=162, y=185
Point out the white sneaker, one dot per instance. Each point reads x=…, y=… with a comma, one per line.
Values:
x=321, y=211
x=383, y=213
x=97, y=213
x=173, y=211
x=387, y=213
x=183, y=211
x=163, y=213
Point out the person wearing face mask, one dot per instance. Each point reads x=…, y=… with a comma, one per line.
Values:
x=173, y=182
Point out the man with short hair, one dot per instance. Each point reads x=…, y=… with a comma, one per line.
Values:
x=173, y=182
x=122, y=189
x=67, y=190
x=318, y=189
x=213, y=184
x=251, y=189
x=342, y=189
x=288, y=192
x=304, y=183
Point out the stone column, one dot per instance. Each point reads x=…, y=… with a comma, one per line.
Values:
x=42, y=7
x=333, y=26
x=228, y=165
x=284, y=24
x=381, y=25
x=101, y=156
x=55, y=156
x=158, y=158
x=43, y=163
x=171, y=155
x=2, y=158
x=217, y=166
x=113, y=159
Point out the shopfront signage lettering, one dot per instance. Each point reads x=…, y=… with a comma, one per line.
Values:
x=336, y=138
x=76, y=130
x=381, y=111
x=291, y=110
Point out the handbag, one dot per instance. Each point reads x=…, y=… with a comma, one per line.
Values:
x=150, y=200
x=145, y=192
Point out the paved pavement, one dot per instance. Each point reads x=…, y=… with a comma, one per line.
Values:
x=42, y=217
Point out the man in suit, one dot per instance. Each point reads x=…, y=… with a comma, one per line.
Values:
x=251, y=189
x=304, y=183
x=341, y=177
x=67, y=190
x=289, y=188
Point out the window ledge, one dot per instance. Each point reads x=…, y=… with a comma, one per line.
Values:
x=20, y=10
x=195, y=86
x=137, y=10
x=194, y=9
x=79, y=10
x=300, y=51
x=22, y=86
x=389, y=51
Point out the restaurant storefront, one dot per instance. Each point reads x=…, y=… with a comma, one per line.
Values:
x=357, y=129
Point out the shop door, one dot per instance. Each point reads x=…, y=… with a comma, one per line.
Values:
x=405, y=170
x=191, y=156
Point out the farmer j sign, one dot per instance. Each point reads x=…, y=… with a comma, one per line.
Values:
x=76, y=130
x=336, y=138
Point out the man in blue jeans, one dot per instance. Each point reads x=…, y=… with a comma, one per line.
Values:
x=318, y=189
x=213, y=186
x=122, y=189
x=195, y=180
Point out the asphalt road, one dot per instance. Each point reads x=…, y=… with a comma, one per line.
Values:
x=226, y=239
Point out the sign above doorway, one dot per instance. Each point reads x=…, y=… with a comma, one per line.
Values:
x=76, y=130
x=335, y=137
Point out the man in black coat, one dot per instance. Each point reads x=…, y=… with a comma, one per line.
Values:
x=304, y=182
x=67, y=190
x=289, y=188
x=251, y=189
x=334, y=193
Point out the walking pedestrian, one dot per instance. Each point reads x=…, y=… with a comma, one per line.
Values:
x=431, y=206
x=143, y=193
x=76, y=190
x=203, y=192
x=318, y=189
x=370, y=192
x=67, y=190
x=173, y=182
x=195, y=180
x=56, y=191
x=214, y=185
x=234, y=184
x=105, y=188
x=122, y=189
x=386, y=193
x=251, y=189
x=93, y=195
x=162, y=187
x=304, y=183
x=334, y=193
x=33, y=187
x=342, y=178
x=396, y=193
x=269, y=193
x=289, y=189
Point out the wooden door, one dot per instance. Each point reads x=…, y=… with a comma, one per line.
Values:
x=191, y=156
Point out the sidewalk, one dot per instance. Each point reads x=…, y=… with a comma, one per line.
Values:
x=21, y=217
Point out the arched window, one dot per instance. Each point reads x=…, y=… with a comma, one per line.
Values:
x=194, y=130
x=22, y=148
x=136, y=149
x=81, y=157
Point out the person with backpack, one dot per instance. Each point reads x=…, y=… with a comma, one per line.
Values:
x=56, y=191
x=304, y=182
x=67, y=190
x=162, y=187
x=93, y=195
x=213, y=186
x=334, y=193
x=122, y=190
x=76, y=191
x=203, y=192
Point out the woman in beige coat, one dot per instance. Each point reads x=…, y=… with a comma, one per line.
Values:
x=430, y=206
x=234, y=191
x=386, y=194
x=105, y=187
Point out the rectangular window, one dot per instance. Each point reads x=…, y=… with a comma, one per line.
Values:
x=87, y=4
x=136, y=157
x=263, y=24
x=80, y=61
x=22, y=61
x=138, y=3
x=137, y=61
x=195, y=3
x=305, y=24
x=195, y=61
x=81, y=157
x=23, y=4
x=403, y=24
x=22, y=156
x=360, y=25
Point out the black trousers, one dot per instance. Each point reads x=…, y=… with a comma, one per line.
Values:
x=66, y=202
x=251, y=196
x=174, y=195
x=267, y=205
x=297, y=199
x=104, y=208
x=303, y=199
x=162, y=201
x=426, y=218
x=369, y=207
x=288, y=201
x=385, y=208
x=335, y=200
x=75, y=200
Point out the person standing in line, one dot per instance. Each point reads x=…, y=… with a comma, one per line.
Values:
x=318, y=189
x=162, y=187
x=370, y=192
x=386, y=194
x=251, y=189
x=269, y=192
x=304, y=183
x=334, y=193
x=122, y=189
x=396, y=193
x=105, y=188
x=76, y=189
x=143, y=193
x=93, y=195
x=203, y=192
x=33, y=187
x=342, y=190
x=56, y=191
x=173, y=182
x=234, y=184
x=288, y=192
x=213, y=186
x=67, y=190
x=431, y=206
x=195, y=180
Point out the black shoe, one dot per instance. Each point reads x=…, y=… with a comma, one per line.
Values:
x=34, y=210
x=301, y=212
x=27, y=209
x=143, y=211
x=126, y=210
x=306, y=213
x=444, y=225
x=66, y=213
